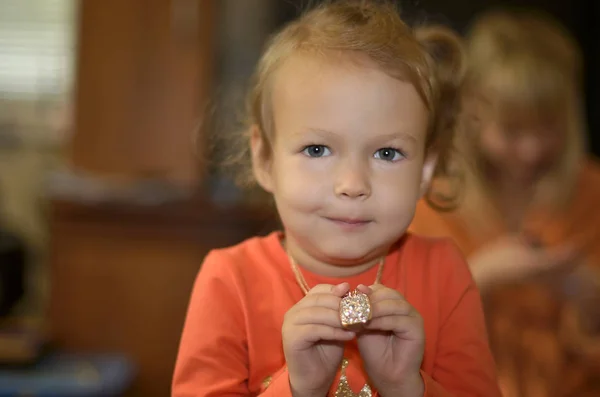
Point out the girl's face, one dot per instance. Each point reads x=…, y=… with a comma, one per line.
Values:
x=348, y=159
x=521, y=145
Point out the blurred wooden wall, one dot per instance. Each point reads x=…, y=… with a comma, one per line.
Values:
x=121, y=274
x=145, y=70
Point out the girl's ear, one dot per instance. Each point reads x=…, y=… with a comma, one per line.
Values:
x=428, y=169
x=261, y=159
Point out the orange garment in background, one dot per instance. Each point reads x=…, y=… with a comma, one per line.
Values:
x=232, y=346
x=524, y=320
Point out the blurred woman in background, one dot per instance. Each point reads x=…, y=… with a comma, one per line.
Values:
x=521, y=201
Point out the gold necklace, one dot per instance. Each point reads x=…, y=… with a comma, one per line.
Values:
x=355, y=306
x=304, y=285
x=354, y=299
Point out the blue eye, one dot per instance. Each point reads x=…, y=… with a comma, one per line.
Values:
x=316, y=151
x=389, y=154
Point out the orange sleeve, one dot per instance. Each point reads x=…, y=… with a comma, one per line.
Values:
x=213, y=356
x=463, y=365
x=427, y=222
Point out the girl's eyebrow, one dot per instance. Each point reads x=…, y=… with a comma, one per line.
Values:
x=394, y=135
x=398, y=135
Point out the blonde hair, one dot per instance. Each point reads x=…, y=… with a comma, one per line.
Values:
x=430, y=58
x=521, y=61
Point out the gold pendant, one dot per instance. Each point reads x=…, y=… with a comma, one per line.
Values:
x=355, y=309
x=343, y=388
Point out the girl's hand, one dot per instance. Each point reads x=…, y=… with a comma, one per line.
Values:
x=313, y=340
x=512, y=259
x=392, y=343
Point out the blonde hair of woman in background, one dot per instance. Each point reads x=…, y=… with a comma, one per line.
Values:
x=349, y=108
x=527, y=214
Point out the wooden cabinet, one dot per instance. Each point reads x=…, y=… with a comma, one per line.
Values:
x=121, y=277
x=144, y=72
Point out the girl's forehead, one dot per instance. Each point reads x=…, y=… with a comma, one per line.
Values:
x=517, y=109
x=526, y=114
x=308, y=66
x=310, y=77
x=515, y=89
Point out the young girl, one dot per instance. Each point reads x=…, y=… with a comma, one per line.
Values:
x=528, y=214
x=349, y=111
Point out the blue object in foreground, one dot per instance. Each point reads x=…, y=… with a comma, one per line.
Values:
x=70, y=375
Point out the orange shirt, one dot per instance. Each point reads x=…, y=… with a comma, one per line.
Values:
x=581, y=218
x=526, y=320
x=231, y=343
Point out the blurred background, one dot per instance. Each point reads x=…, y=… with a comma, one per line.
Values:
x=109, y=198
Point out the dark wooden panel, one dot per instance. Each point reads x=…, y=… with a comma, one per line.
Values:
x=144, y=72
x=121, y=277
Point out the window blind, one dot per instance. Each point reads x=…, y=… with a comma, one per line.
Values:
x=37, y=47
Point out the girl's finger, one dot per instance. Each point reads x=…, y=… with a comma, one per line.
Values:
x=391, y=307
x=406, y=327
x=317, y=315
x=316, y=332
